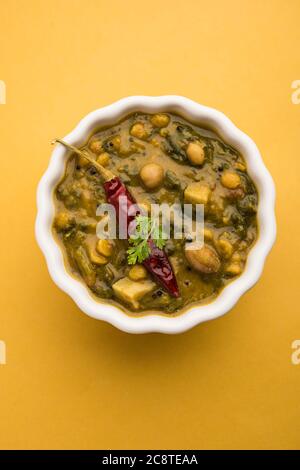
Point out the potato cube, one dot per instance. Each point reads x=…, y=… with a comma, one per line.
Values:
x=132, y=291
x=197, y=193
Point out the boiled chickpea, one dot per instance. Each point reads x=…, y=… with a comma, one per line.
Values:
x=163, y=132
x=160, y=120
x=230, y=180
x=103, y=158
x=152, y=175
x=98, y=259
x=243, y=245
x=82, y=161
x=96, y=146
x=86, y=198
x=240, y=166
x=233, y=269
x=195, y=153
x=208, y=234
x=204, y=259
x=63, y=221
x=225, y=248
x=236, y=257
x=104, y=247
x=82, y=184
x=154, y=142
x=137, y=273
x=138, y=130
x=116, y=141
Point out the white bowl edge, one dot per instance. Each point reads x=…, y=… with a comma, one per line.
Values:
x=197, y=314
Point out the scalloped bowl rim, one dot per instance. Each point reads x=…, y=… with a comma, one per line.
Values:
x=154, y=322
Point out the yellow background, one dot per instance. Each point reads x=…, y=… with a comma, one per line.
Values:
x=74, y=382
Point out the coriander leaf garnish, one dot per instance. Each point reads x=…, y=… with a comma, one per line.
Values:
x=145, y=229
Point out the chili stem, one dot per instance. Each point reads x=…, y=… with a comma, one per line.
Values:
x=107, y=175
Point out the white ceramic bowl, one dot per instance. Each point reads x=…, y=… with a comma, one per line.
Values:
x=154, y=322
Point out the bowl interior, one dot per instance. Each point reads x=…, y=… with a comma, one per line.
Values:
x=154, y=322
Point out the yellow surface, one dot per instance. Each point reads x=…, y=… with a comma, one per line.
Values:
x=73, y=382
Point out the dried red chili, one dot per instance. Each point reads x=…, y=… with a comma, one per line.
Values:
x=157, y=262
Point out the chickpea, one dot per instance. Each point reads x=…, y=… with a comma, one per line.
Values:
x=82, y=162
x=225, y=248
x=216, y=207
x=63, y=221
x=236, y=257
x=95, y=146
x=83, y=184
x=160, y=120
x=163, y=132
x=243, y=245
x=152, y=175
x=103, y=158
x=208, y=234
x=138, y=130
x=70, y=202
x=116, y=141
x=104, y=247
x=230, y=180
x=204, y=259
x=98, y=259
x=154, y=142
x=240, y=166
x=195, y=153
x=86, y=199
x=137, y=273
x=233, y=269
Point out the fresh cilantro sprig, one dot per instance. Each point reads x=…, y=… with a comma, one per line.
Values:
x=145, y=229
